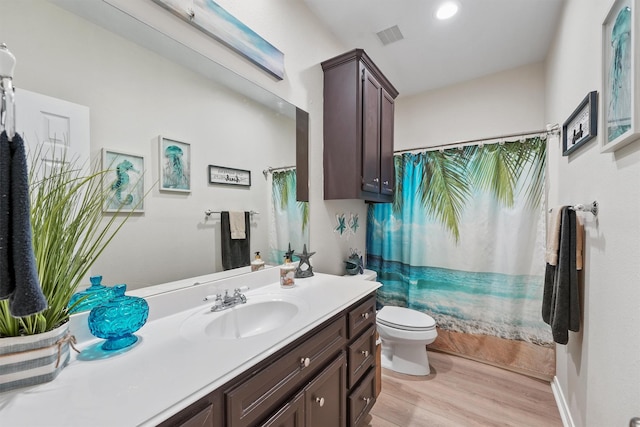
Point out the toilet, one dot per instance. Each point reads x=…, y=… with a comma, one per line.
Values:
x=405, y=334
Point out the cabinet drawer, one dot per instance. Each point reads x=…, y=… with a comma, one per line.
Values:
x=362, y=355
x=362, y=316
x=361, y=399
x=265, y=391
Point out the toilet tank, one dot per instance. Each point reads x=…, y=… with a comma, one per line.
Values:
x=369, y=275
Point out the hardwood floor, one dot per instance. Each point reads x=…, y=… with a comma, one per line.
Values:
x=462, y=392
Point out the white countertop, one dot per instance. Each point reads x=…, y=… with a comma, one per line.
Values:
x=167, y=370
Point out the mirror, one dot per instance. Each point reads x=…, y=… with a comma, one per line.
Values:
x=140, y=84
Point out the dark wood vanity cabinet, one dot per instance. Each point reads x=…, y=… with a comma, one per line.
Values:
x=358, y=129
x=325, y=378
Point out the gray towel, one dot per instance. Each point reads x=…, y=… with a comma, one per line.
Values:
x=560, y=300
x=18, y=275
x=235, y=252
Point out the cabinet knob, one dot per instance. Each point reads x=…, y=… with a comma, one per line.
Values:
x=386, y=182
x=365, y=353
x=366, y=400
x=376, y=180
x=305, y=362
x=320, y=401
x=365, y=315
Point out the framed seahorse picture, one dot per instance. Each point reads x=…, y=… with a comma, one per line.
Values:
x=175, y=165
x=123, y=181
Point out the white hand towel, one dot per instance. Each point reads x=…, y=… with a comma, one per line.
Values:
x=553, y=236
x=236, y=224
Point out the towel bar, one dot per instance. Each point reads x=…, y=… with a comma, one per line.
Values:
x=208, y=212
x=591, y=207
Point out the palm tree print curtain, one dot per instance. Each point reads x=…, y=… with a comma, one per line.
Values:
x=289, y=218
x=464, y=242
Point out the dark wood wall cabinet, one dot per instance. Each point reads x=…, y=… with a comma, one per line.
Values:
x=324, y=378
x=358, y=129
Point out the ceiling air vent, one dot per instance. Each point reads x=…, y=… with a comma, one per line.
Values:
x=390, y=35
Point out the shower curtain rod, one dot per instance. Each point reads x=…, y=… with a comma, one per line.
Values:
x=551, y=129
x=270, y=169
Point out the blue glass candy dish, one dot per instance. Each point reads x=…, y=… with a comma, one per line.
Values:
x=93, y=296
x=116, y=320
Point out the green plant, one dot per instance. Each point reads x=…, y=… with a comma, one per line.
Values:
x=69, y=233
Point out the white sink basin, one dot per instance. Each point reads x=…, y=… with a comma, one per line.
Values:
x=259, y=315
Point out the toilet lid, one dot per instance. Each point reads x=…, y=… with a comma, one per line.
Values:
x=405, y=319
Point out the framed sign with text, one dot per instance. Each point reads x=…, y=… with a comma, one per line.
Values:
x=229, y=176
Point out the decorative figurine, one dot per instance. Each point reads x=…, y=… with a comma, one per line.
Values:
x=355, y=263
x=304, y=260
x=289, y=254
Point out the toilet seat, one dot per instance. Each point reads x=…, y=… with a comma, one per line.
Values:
x=405, y=319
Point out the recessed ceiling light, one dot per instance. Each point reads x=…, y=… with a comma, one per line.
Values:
x=447, y=10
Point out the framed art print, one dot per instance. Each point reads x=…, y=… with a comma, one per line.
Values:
x=123, y=181
x=175, y=165
x=229, y=176
x=620, y=79
x=582, y=125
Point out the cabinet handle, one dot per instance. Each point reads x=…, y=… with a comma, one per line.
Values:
x=386, y=182
x=305, y=362
x=376, y=180
x=365, y=353
x=365, y=315
x=367, y=400
x=320, y=401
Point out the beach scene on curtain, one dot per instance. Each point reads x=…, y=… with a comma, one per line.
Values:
x=288, y=218
x=465, y=241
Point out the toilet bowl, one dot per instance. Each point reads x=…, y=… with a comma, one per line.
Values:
x=405, y=334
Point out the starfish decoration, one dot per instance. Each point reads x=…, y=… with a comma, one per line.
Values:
x=289, y=253
x=304, y=260
x=354, y=223
x=342, y=226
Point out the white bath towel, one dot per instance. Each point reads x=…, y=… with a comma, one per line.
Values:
x=236, y=224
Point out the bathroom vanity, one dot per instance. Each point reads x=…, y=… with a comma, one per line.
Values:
x=303, y=356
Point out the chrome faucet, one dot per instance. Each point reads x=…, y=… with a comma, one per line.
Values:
x=227, y=301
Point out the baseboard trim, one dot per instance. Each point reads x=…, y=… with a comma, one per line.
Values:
x=563, y=408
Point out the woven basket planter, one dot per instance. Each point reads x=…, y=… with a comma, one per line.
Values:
x=33, y=359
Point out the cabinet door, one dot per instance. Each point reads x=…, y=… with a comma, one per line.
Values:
x=325, y=396
x=370, y=133
x=387, y=170
x=362, y=399
x=290, y=415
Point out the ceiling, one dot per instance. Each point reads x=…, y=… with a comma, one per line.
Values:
x=485, y=37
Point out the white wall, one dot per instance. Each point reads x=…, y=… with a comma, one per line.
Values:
x=134, y=96
x=508, y=102
x=599, y=370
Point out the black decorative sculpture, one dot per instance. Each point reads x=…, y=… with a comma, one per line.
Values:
x=354, y=264
x=289, y=254
x=304, y=260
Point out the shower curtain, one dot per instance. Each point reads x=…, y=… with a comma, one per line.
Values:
x=464, y=242
x=289, y=219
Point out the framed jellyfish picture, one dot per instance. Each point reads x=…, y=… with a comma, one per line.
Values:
x=620, y=78
x=175, y=165
x=123, y=181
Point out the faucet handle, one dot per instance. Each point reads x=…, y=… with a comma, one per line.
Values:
x=241, y=289
x=216, y=297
